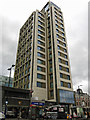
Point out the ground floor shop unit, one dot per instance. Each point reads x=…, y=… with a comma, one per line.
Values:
x=15, y=102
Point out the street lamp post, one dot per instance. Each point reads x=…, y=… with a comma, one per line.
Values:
x=79, y=86
x=10, y=74
x=30, y=96
x=6, y=99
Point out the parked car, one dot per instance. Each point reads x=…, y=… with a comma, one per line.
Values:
x=10, y=114
x=2, y=116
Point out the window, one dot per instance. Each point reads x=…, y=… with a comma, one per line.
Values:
x=64, y=44
x=25, y=71
x=49, y=33
x=51, y=93
x=50, y=69
x=66, y=62
x=38, y=48
x=49, y=43
x=58, y=41
x=40, y=76
x=62, y=83
x=28, y=77
x=29, y=62
x=51, y=76
x=56, y=26
x=40, y=32
x=59, y=53
x=66, y=96
x=67, y=69
x=40, y=55
x=41, y=43
x=51, y=85
x=61, y=21
x=63, y=34
x=62, y=29
x=69, y=85
x=40, y=22
x=41, y=49
x=28, y=85
x=57, y=30
x=58, y=47
x=39, y=27
x=60, y=67
x=61, y=25
x=26, y=65
x=39, y=68
x=65, y=50
x=65, y=56
x=40, y=14
x=39, y=18
x=50, y=61
x=50, y=55
x=60, y=16
x=55, y=17
x=25, y=86
x=56, y=21
x=59, y=60
x=49, y=38
x=29, y=70
x=22, y=73
x=25, y=79
x=68, y=77
x=61, y=75
x=57, y=36
x=39, y=84
x=63, y=39
x=41, y=61
x=50, y=49
x=39, y=37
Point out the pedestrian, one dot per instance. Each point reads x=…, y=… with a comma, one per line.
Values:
x=40, y=113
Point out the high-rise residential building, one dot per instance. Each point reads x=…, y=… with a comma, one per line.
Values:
x=42, y=61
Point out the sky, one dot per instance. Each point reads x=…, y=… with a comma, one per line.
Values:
x=14, y=13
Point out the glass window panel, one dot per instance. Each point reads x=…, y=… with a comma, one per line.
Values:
x=61, y=83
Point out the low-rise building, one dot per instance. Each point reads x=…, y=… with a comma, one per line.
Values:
x=82, y=99
x=4, y=81
x=17, y=102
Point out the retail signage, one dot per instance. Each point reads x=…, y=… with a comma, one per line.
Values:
x=38, y=103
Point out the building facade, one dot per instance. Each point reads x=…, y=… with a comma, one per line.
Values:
x=4, y=81
x=42, y=61
x=82, y=99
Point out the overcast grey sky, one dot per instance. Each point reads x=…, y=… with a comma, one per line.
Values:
x=13, y=14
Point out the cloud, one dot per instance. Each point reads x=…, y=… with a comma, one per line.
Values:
x=9, y=44
x=76, y=27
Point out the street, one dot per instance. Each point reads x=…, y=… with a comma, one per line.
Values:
x=48, y=119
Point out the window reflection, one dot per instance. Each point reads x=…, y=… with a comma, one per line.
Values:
x=66, y=96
